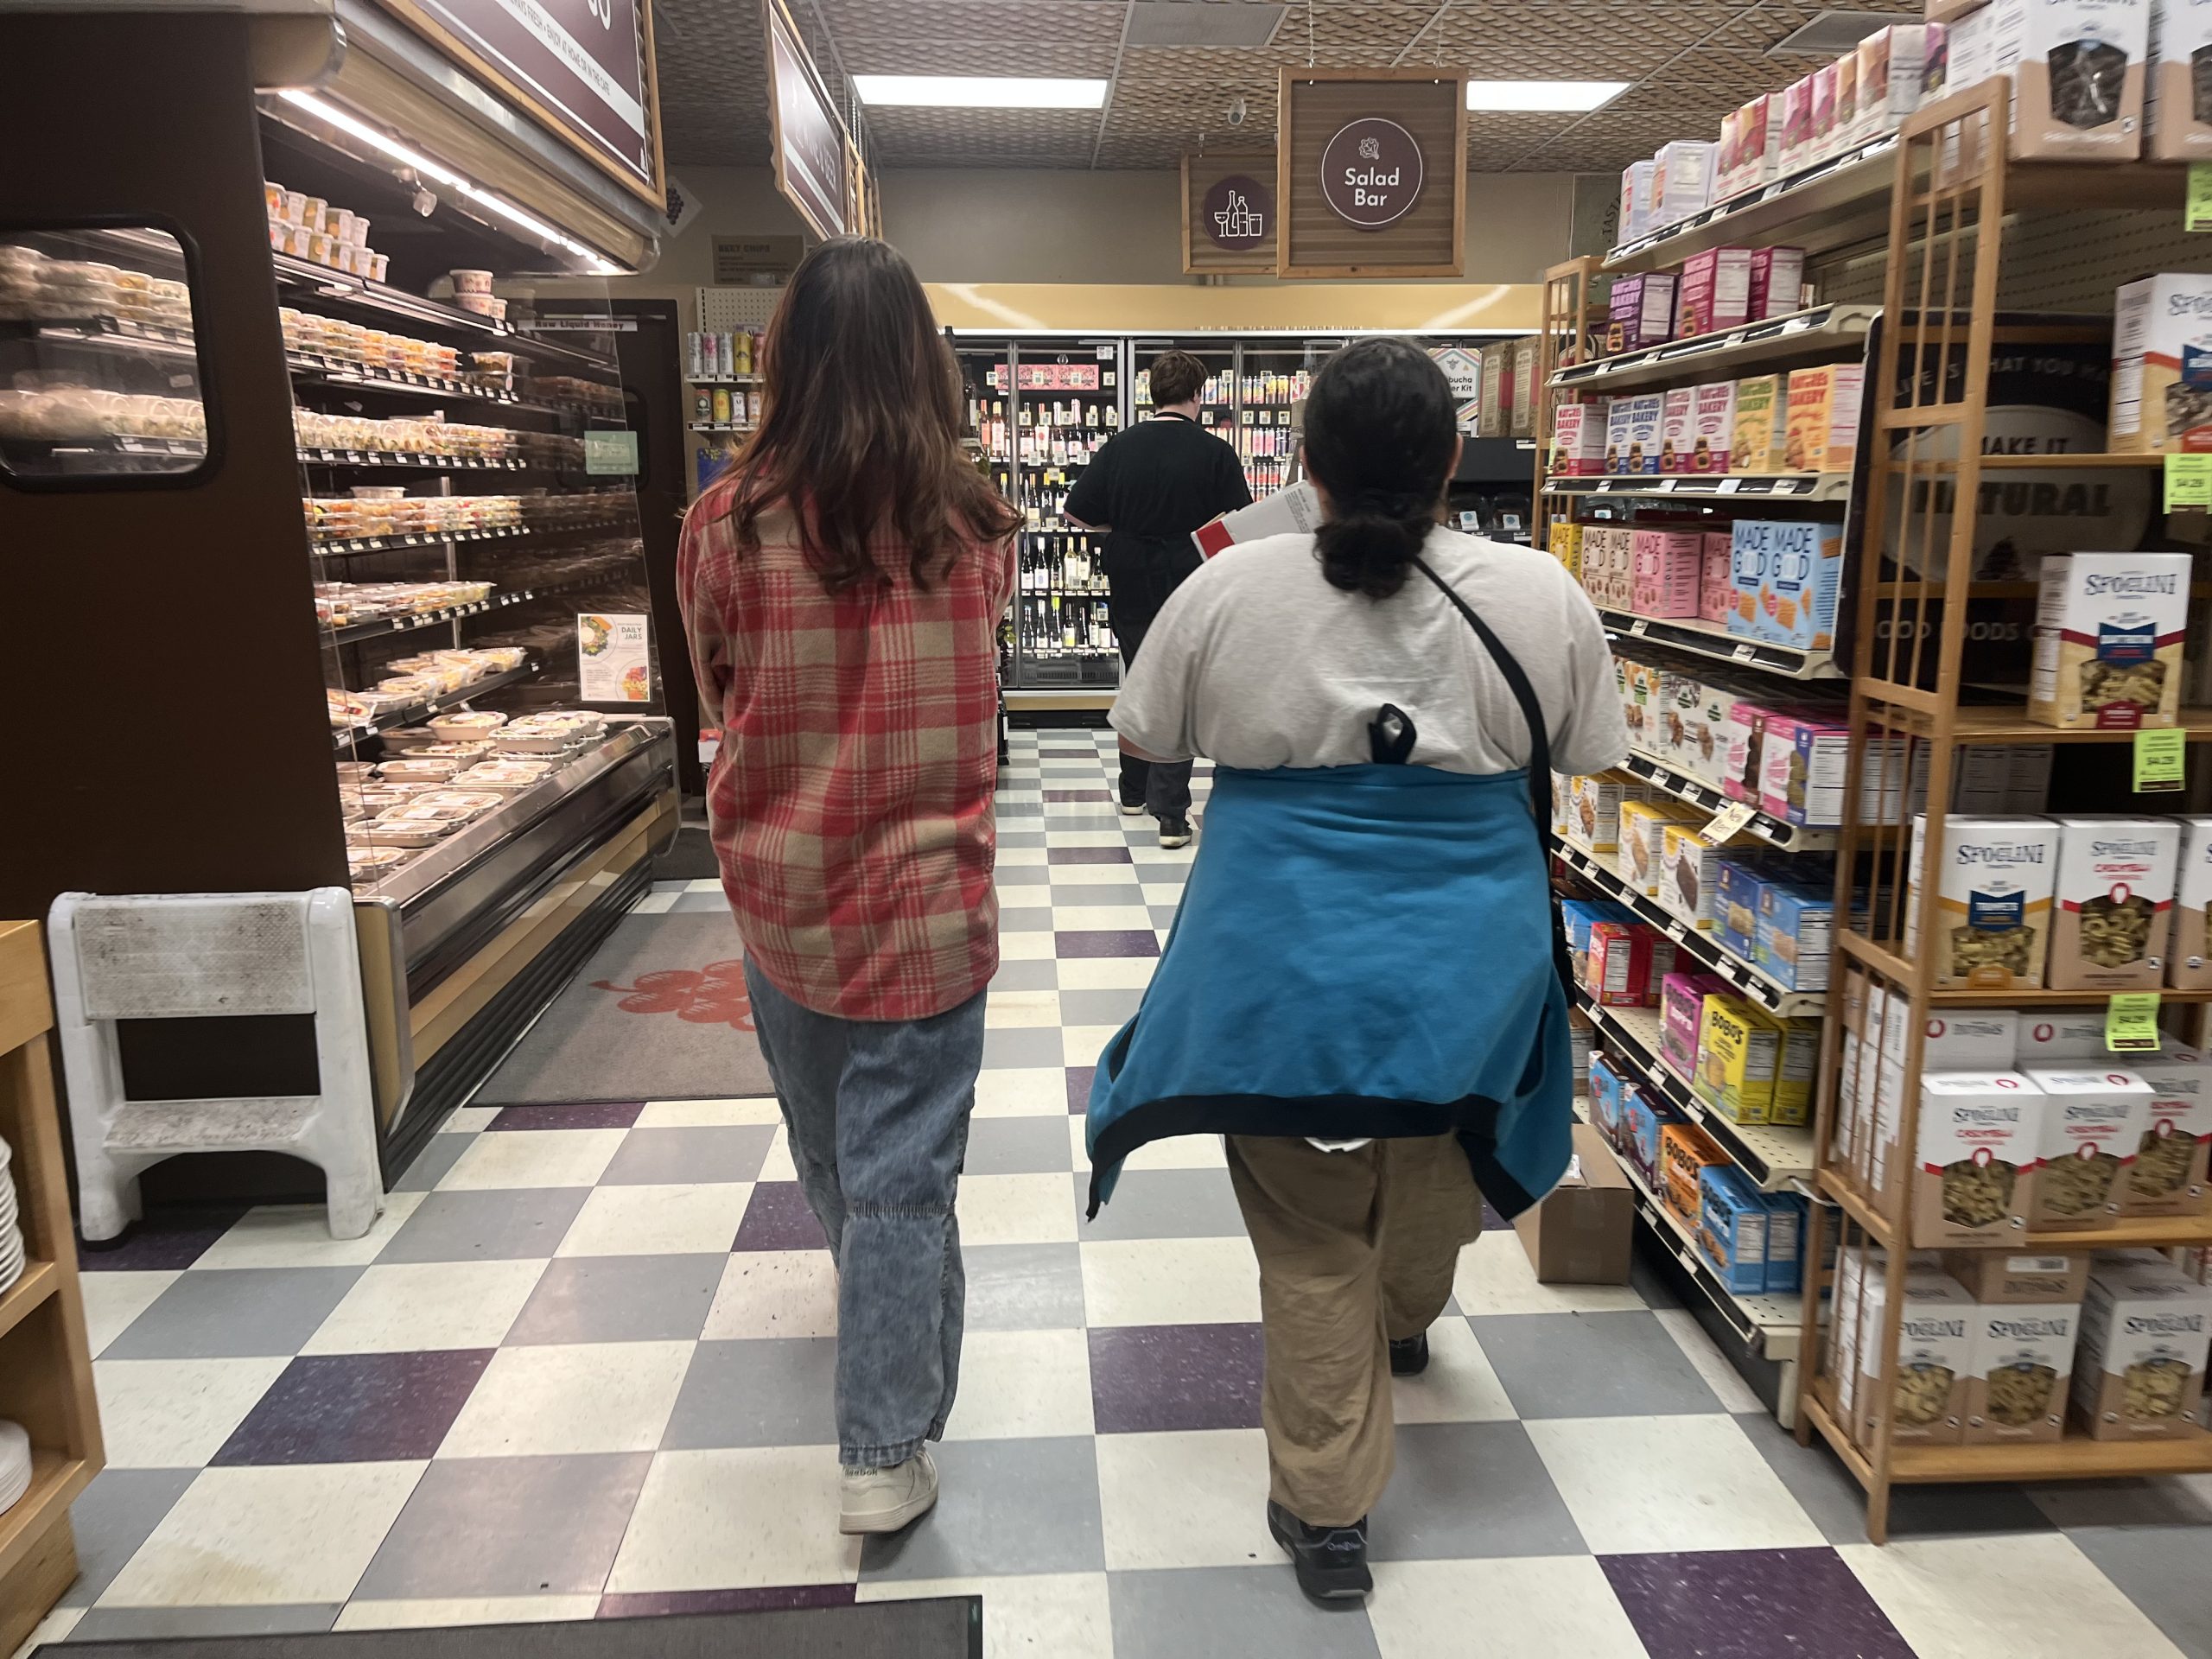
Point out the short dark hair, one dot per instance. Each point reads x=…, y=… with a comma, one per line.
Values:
x=1177, y=377
x=1381, y=425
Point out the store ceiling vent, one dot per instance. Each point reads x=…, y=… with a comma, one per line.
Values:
x=1829, y=34
x=1203, y=22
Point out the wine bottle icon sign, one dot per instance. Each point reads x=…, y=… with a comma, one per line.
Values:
x=1238, y=221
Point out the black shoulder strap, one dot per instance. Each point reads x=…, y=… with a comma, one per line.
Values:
x=1540, y=744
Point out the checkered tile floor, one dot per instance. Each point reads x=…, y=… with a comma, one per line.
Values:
x=582, y=1367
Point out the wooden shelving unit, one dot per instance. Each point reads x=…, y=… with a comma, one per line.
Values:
x=46, y=1367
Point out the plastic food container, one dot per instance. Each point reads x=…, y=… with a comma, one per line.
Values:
x=377, y=264
x=402, y=827
x=467, y=724
x=508, y=776
x=406, y=739
x=420, y=769
x=472, y=282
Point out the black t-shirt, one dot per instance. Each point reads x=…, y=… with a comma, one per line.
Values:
x=1159, y=480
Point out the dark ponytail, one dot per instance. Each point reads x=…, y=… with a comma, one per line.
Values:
x=1381, y=431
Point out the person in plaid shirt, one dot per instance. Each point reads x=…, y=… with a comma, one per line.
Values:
x=842, y=584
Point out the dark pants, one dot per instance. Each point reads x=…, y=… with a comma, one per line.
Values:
x=1161, y=787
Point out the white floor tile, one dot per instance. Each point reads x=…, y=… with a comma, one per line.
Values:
x=469, y=1120
x=1025, y=947
x=777, y=1166
x=1171, y=1282
x=56, y=1625
x=1024, y=857
x=1651, y=1484
x=1015, y=1209
x=1494, y=1276
x=704, y=884
x=734, y=1518
x=1022, y=1385
x=655, y=904
x=1083, y=1044
x=482, y=1610
x=175, y=1414
x=267, y=1536
x=1101, y=917
x=1007, y=1009
x=657, y=1220
x=1106, y=973
x=765, y=1294
x=1021, y=1091
x=113, y=1299
x=2032, y=1596
x=593, y=1396
x=436, y=1304
x=1723, y=1379
x=298, y=1235
x=1192, y=1499
x=1504, y=1608
x=533, y=1158
x=709, y=1114
x=1035, y=1616
x=1459, y=1387
x=1092, y=875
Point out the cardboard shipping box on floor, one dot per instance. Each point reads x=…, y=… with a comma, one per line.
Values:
x=1582, y=1232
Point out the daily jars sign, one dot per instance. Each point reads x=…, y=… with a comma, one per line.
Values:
x=1372, y=172
x=1229, y=211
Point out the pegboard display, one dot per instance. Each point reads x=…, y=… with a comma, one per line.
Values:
x=2053, y=261
x=725, y=310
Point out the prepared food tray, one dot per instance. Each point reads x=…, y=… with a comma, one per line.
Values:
x=465, y=724
x=508, y=775
x=549, y=733
x=418, y=768
x=366, y=860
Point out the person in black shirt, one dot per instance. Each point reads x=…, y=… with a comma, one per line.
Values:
x=1146, y=490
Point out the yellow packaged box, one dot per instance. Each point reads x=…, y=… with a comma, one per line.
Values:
x=1822, y=424
x=1739, y=1056
x=1761, y=431
x=1643, y=841
x=1567, y=546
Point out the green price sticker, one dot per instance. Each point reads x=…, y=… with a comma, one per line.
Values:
x=2131, y=1021
x=2197, y=214
x=2189, y=481
x=2160, y=757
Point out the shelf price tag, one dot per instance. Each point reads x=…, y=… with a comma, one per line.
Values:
x=2160, y=758
x=2131, y=1021
x=2196, y=215
x=2188, y=478
x=1730, y=821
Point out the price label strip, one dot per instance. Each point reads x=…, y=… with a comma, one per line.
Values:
x=2161, y=759
x=2131, y=1022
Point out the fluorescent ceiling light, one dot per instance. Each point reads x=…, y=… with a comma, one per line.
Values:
x=981, y=91
x=1542, y=94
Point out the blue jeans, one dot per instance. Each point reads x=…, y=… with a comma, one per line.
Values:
x=877, y=1112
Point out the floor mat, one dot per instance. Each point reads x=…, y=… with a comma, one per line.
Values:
x=950, y=1628
x=660, y=1013
x=692, y=858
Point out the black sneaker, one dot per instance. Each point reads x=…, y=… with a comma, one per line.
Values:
x=1175, y=832
x=1410, y=1355
x=1330, y=1561
x=1132, y=809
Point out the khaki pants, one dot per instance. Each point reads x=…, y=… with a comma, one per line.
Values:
x=1355, y=1248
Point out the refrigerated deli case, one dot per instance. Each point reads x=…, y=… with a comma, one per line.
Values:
x=325, y=567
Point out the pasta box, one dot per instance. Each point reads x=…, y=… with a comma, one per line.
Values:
x=1686, y=1152
x=1731, y=1229
x=1762, y=428
x=2139, y=1368
x=2177, y=95
x=2109, y=630
x=2169, y=1177
x=2094, y=1120
x=2018, y=1278
x=2061, y=1035
x=2161, y=398
x=2077, y=69
x=2112, y=904
x=2021, y=1376
x=1970, y=1040
x=2189, y=956
x=1934, y=1356
x=1632, y=433
x=1975, y=1169
x=1994, y=879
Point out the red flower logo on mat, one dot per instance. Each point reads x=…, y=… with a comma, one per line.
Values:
x=712, y=996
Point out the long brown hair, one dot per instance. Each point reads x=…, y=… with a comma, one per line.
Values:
x=860, y=425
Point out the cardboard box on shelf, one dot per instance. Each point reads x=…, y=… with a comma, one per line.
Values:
x=1843, y=129
x=1797, y=126
x=2093, y=1120
x=2162, y=366
x=1640, y=312
x=1731, y=1229
x=2021, y=1372
x=2061, y=1037
x=2176, y=104
x=1682, y=179
x=1758, y=144
x=1564, y=540
x=1682, y=1013
x=2019, y=1278
x=1594, y=811
x=1520, y=417
x=1713, y=426
x=1632, y=426
x=2189, y=957
x=1796, y=931
x=2138, y=1370
x=1689, y=872
x=2109, y=630
x=1625, y=964
x=1935, y=1357
x=1762, y=429
x=1994, y=880
x=1641, y=859
x=1739, y=1054
x=1821, y=431
x=1669, y=563
x=1777, y=277
x=1645, y=1115
x=1606, y=1082
x=2112, y=905
x=2077, y=69
x=1583, y=1231
x=1705, y=737
x=1786, y=574
x=1638, y=180
x=1736, y=904
x=1893, y=61
x=2169, y=1177
x=1579, y=440
x=1822, y=141
x=1974, y=1168
x=1970, y=1040
x=1674, y=435
x=1715, y=292
x=1494, y=412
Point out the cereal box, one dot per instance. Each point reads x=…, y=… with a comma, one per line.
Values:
x=2021, y=1374
x=1638, y=180
x=1632, y=433
x=2169, y=1175
x=2094, y=1121
x=1994, y=878
x=2076, y=69
x=1689, y=872
x=1686, y=1152
x=1758, y=142
x=2112, y=907
x=1674, y=431
x=1716, y=587
x=1682, y=179
x=1645, y=1115
x=1643, y=841
x=1934, y=1356
x=1732, y=1228
x=1640, y=312
x=2189, y=955
x=2139, y=1369
x=1777, y=277
x=2000, y=1276
x=2162, y=366
x=1593, y=810
x=1980, y=1136
x=2109, y=628
x=1786, y=574
x=1821, y=430
x=1762, y=429
x=1740, y=1053
x=1796, y=125
x=1578, y=439
x=2177, y=82
x=1669, y=563
x=1715, y=292
x=1681, y=1011
x=1891, y=63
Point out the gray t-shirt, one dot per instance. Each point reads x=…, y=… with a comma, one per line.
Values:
x=1257, y=662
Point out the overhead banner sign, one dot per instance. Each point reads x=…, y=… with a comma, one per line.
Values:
x=1371, y=174
x=583, y=67
x=1229, y=211
x=808, y=140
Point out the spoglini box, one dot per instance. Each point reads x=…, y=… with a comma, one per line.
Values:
x=2189, y=958
x=2021, y=1372
x=2109, y=630
x=2094, y=1119
x=2138, y=1370
x=1974, y=1169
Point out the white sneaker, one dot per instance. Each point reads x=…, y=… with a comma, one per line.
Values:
x=884, y=1500
x=1129, y=812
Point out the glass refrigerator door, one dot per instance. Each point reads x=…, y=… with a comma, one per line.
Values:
x=1276, y=374
x=987, y=427
x=1068, y=403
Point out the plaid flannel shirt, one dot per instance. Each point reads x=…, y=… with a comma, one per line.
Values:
x=851, y=803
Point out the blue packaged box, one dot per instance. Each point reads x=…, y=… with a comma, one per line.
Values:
x=1785, y=575
x=1606, y=1082
x=1577, y=916
x=1785, y=1243
x=1736, y=905
x=1797, y=924
x=1732, y=1228
x=1643, y=1116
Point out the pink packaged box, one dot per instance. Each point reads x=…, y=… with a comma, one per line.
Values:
x=1675, y=431
x=1759, y=141
x=1777, y=274
x=1682, y=1006
x=1739, y=778
x=1712, y=427
x=1716, y=582
x=1823, y=129
x=1669, y=563
x=1802, y=761
x=1578, y=439
x=1797, y=124
x=1715, y=293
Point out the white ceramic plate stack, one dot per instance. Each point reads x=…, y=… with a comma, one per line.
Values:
x=11, y=1237
x=15, y=1464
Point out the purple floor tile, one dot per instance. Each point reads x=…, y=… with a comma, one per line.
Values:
x=1150, y=1378
x=1087, y=856
x=577, y=1115
x=1132, y=942
x=358, y=1408
x=1065, y=794
x=1492, y=1221
x=661, y=1604
x=1080, y=1078
x=1752, y=1604
x=776, y=1218
x=166, y=1239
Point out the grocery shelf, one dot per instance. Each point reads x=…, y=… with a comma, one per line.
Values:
x=353, y=633
x=1775, y=1156
x=114, y=447
x=1712, y=639
x=328, y=283
x=107, y=332
x=2129, y=1233
x=2009, y=723
x=1843, y=200
x=2075, y=1458
x=1794, y=487
x=340, y=736
x=1703, y=947
x=320, y=457
x=37, y=1282
x=332, y=372
x=723, y=380
x=1799, y=333
x=346, y=546
x=1778, y=832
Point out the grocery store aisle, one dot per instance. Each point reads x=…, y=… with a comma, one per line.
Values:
x=581, y=1368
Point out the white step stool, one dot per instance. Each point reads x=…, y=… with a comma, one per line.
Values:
x=166, y=956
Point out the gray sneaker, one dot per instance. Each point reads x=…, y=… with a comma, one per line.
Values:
x=884, y=1500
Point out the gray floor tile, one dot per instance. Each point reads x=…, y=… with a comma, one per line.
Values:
x=1033, y=1508
x=508, y=1526
x=1098, y=1008
x=2163, y=1570
x=1016, y=975
x=1590, y=1365
x=1023, y=875
x=154, y=1623
x=1026, y=1046
x=1067, y=893
x=685, y=1157
x=1224, y=1610
x=510, y=1225
x=1162, y=915
x=1026, y=919
x=779, y=1392
x=619, y=1298
x=1163, y=1204
x=1024, y=1286
x=1019, y=1146
x=439, y=1154
x=234, y=1313
x=1020, y=837
x=1465, y=1489
x=1837, y=1504
x=112, y=1516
